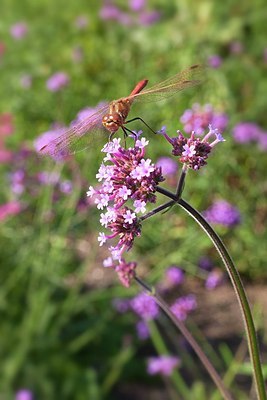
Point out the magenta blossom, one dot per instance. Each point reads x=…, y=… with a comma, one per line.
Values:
x=214, y=279
x=145, y=306
x=57, y=81
x=193, y=151
x=142, y=330
x=215, y=61
x=19, y=30
x=199, y=118
x=183, y=306
x=223, y=213
x=24, y=394
x=125, y=175
x=163, y=365
x=47, y=137
x=246, y=132
x=168, y=166
x=125, y=270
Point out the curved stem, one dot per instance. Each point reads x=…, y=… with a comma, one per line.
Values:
x=238, y=287
x=182, y=328
x=240, y=293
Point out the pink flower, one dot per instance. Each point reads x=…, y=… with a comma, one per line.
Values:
x=19, y=30
x=163, y=365
x=7, y=209
x=57, y=81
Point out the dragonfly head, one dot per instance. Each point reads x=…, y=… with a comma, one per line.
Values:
x=112, y=122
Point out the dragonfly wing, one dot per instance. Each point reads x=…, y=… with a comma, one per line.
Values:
x=78, y=136
x=191, y=76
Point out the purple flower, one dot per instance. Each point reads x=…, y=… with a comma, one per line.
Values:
x=57, y=81
x=215, y=61
x=163, y=365
x=110, y=12
x=87, y=112
x=168, y=165
x=149, y=17
x=246, y=132
x=142, y=330
x=199, y=118
x=145, y=306
x=24, y=394
x=121, y=305
x=128, y=176
x=214, y=279
x=19, y=30
x=205, y=263
x=126, y=272
x=192, y=151
x=48, y=137
x=65, y=186
x=183, y=306
x=174, y=276
x=137, y=5
x=223, y=213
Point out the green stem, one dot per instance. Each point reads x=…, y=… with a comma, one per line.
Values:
x=238, y=287
x=182, y=328
x=240, y=293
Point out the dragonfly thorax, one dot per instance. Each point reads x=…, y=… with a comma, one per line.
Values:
x=118, y=112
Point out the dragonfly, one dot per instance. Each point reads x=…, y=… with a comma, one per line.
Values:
x=113, y=116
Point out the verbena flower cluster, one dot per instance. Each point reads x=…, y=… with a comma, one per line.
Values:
x=136, y=14
x=183, y=306
x=193, y=151
x=163, y=365
x=248, y=132
x=124, y=175
x=200, y=117
x=223, y=213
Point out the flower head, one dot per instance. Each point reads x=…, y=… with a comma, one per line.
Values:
x=24, y=394
x=183, y=306
x=19, y=30
x=142, y=330
x=223, y=213
x=215, y=61
x=246, y=132
x=214, y=279
x=57, y=81
x=145, y=306
x=199, y=118
x=163, y=365
x=125, y=176
x=194, y=151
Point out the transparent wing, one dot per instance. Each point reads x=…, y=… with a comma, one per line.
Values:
x=191, y=76
x=79, y=136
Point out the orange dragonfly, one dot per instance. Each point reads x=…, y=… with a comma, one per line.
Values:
x=111, y=117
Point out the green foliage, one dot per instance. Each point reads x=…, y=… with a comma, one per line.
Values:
x=60, y=336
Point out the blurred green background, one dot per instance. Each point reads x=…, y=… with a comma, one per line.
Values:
x=60, y=336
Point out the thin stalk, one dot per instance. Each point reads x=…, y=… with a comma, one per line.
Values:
x=157, y=209
x=179, y=324
x=238, y=287
x=240, y=293
x=181, y=182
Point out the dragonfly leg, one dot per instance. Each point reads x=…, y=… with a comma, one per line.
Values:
x=134, y=119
